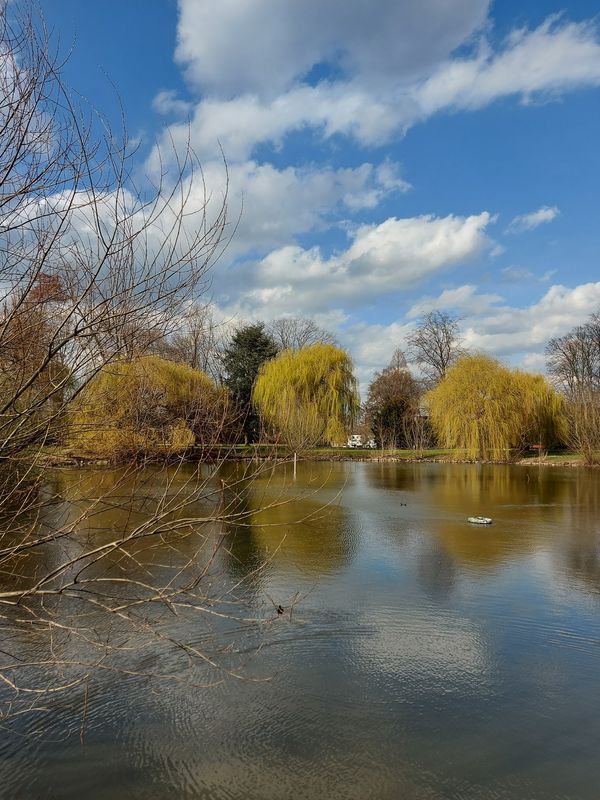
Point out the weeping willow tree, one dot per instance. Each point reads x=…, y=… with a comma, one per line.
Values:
x=545, y=418
x=147, y=406
x=308, y=396
x=492, y=412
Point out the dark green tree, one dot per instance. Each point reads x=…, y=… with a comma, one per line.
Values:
x=389, y=423
x=248, y=350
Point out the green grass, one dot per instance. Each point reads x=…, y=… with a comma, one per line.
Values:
x=266, y=450
x=56, y=452
x=364, y=452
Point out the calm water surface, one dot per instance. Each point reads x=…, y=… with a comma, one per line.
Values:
x=428, y=658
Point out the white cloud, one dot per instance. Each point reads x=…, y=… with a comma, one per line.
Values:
x=518, y=335
x=527, y=222
x=384, y=258
x=555, y=57
x=515, y=274
x=241, y=123
x=462, y=299
x=534, y=362
x=166, y=102
x=270, y=207
x=263, y=47
x=372, y=347
x=250, y=59
x=507, y=331
x=261, y=70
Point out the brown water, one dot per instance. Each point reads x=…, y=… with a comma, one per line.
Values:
x=428, y=658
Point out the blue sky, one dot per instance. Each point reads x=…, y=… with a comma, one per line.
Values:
x=437, y=153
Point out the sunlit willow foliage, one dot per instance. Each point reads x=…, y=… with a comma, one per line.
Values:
x=148, y=406
x=308, y=396
x=492, y=412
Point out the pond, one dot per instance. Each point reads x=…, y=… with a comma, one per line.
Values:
x=423, y=657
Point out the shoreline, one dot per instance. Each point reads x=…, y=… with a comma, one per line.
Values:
x=83, y=460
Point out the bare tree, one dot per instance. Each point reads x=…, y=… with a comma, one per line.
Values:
x=573, y=361
x=93, y=269
x=435, y=344
x=298, y=332
x=417, y=430
x=398, y=361
x=198, y=341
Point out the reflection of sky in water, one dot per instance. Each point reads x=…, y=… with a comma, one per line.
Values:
x=421, y=648
x=427, y=659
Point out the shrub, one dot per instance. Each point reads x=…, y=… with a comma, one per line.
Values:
x=147, y=406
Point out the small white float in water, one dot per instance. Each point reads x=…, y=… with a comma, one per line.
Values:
x=480, y=520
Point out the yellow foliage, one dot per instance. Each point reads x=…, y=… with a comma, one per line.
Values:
x=488, y=410
x=147, y=405
x=309, y=395
x=544, y=421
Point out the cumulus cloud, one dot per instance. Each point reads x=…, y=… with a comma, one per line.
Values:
x=517, y=335
x=239, y=124
x=260, y=71
x=266, y=70
x=462, y=299
x=555, y=57
x=372, y=346
x=262, y=47
x=384, y=258
x=271, y=206
x=507, y=331
x=527, y=222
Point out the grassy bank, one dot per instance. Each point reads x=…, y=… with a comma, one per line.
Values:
x=64, y=456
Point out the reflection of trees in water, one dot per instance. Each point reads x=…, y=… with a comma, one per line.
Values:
x=531, y=506
x=499, y=491
x=126, y=576
x=579, y=548
x=494, y=485
x=286, y=523
x=97, y=506
x=241, y=556
x=387, y=475
x=451, y=484
x=100, y=503
x=437, y=570
x=267, y=517
x=582, y=557
x=316, y=543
